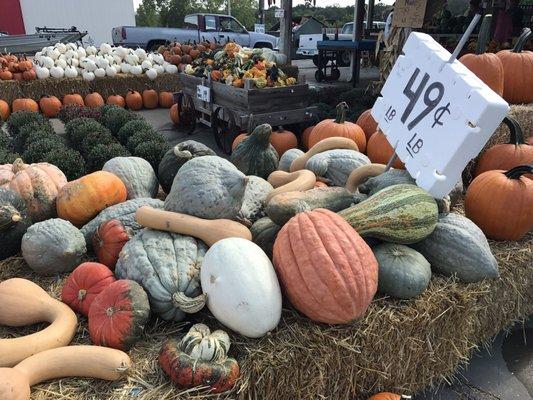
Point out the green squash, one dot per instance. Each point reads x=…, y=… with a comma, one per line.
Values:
x=136, y=173
x=287, y=158
x=255, y=155
x=458, y=247
x=403, y=272
x=14, y=221
x=253, y=205
x=264, y=233
x=399, y=214
x=335, y=166
x=391, y=177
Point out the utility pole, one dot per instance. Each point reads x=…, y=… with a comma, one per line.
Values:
x=285, y=30
x=229, y=7
x=261, y=11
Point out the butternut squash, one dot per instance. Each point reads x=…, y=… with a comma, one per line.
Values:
x=290, y=182
x=359, y=175
x=209, y=231
x=81, y=361
x=24, y=303
x=324, y=145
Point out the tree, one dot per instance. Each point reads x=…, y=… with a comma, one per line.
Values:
x=147, y=14
x=245, y=11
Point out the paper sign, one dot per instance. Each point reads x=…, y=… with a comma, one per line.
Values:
x=203, y=93
x=259, y=28
x=279, y=13
x=438, y=114
x=409, y=13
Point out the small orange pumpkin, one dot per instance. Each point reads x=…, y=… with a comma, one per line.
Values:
x=379, y=150
x=4, y=110
x=216, y=75
x=73, y=98
x=50, y=106
x=386, y=396
x=175, y=114
x=175, y=59
x=134, y=100
x=94, y=100
x=81, y=200
x=304, y=139
x=150, y=99
x=29, y=75
x=166, y=99
x=6, y=75
x=117, y=100
x=367, y=123
x=283, y=140
x=238, y=139
x=338, y=127
x=18, y=76
x=25, y=104
x=25, y=65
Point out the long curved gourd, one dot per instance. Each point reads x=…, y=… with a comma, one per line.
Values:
x=82, y=361
x=209, y=231
x=359, y=175
x=324, y=145
x=24, y=303
x=290, y=181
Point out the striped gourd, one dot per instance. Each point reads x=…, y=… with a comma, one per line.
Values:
x=399, y=213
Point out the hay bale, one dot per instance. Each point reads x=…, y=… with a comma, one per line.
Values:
x=401, y=346
x=9, y=91
x=54, y=87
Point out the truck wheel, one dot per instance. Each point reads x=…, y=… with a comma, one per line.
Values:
x=336, y=74
x=187, y=113
x=319, y=76
x=224, y=128
x=315, y=60
x=345, y=58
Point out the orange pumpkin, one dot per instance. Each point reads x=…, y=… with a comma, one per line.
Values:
x=506, y=156
x=81, y=200
x=134, y=100
x=108, y=240
x=367, y=123
x=175, y=114
x=150, y=99
x=338, y=127
x=18, y=76
x=175, y=59
x=116, y=100
x=379, y=150
x=94, y=100
x=29, y=75
x=486, y=66
x=50, y=106
x=25, y=104
x=4, y=110
x=319, y=252
x=518, y=71
x=73, y=98
x=25, y=65
x=216, y=75
x=6, y=75
x=386, y=396
x=166, y=99
x=283, y=140
x=238, y=139
x=500, y=203
x=304, y=139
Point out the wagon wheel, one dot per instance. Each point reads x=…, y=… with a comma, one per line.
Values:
x=187, y=113
x=224, y=128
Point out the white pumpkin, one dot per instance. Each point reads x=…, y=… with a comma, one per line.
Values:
x=146, y=64
x=88, y=75
x=242, y=288
x=72, y=46
x=121, y=52
x=111, y=71
x=151, y=74
x=42, y=72
x=53, y=54
x=91, y=50
x=70, y=54
x=105, y=48
x=125, y=68
x=99, y=72
x=61, y=62
x=117, y=68
x=88, y=64
x=57, y=72
x=71, y=72
x=74, y=62
x=171, y=69
x=61, y=47
x=132, y=59
x=136, y=69
x=141, y=54
x=81, y=52
x=47, y=62
x=101, y=62
x=158, y=58
x=159, y=69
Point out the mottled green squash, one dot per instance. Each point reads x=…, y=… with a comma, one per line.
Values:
x=399, y=213
x=137, y=175
x=458, y=247
x=391, y=177
x=287, y=158
x=264, y=233
x=282, y=207
x=14, y=221
x=253, y=205
x=255, y=155
x=403, y=272
x=335, y=166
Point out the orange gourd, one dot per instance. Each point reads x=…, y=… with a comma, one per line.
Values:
x=238, y=139
x=304, y=139
x=81, y=200
x=94, y=100
x=25, y=104
x=166, y=99
x=73, y=98
x=326, y=269
x=380, y=151
x=283, y=140
x=338, y=127
x=4, y=110
x=50, y=106
x=500, y=203
x=150, y=99
x=367, y=123
x=386, y=396
x=175, y=114
x=116, y=100
x=134, y=100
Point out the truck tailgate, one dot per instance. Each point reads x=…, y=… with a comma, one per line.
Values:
x=116, y=34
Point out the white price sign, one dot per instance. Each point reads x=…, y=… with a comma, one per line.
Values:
x=279, y=13
x=438, y=114
x=259, y=28
x=203, y=93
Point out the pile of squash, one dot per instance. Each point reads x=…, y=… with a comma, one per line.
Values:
x=17, y=68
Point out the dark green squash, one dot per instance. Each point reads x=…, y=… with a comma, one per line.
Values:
x=255, y=155
x=174, y=159
x=264, y=233
x=391, y=177
x=14, y=221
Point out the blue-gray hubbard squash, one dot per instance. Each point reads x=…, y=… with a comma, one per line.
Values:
x=287, y=158
x=264, y=233
x=253, y=206
x=137, y=175
x=334, y=166
x=207, y=187
x=167, y=265
x=14, y=221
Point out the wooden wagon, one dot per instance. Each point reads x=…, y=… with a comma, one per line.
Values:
x=230, y=110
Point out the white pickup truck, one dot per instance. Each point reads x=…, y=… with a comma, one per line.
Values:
x=198, y=27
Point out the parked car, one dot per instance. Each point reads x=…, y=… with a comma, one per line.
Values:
x=198, y=27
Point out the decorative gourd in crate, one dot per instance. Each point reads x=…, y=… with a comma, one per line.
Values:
x=200, y=359
x=334, y=166
x=241, y=287
x=458, y=247
x=318, y=252
x=207, y=187
x=255, y=155
x=167, y=266
x=501, y=203
x=399, y=213
x=14, y=221
x=137, y=175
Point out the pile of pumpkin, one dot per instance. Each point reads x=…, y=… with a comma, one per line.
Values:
x=231, y=235
x=181, y=55
x=13, y=67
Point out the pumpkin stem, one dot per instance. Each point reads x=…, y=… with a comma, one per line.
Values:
x=484, y=33
x=517, y=172
x=16, y=217
x=516, y=137
x=18, y=165
x=188, y=304
x=524, y=37
x=341, y=113
x=81, y=294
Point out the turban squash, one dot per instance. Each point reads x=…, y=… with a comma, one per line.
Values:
x=327, y=270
